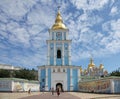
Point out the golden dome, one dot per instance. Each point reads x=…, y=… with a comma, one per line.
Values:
x=91, y=64
x=101, y=66
x=85, y=71
x=81, y=69
x=58, y=22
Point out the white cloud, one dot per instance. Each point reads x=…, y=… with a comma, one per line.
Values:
x=16, y=8
x=112, y=41
x=17, y=33
x=93, y=43
x=89, y=4
x=114, y=11
x=25, y=23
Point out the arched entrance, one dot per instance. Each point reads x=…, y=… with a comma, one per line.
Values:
x=60, y=86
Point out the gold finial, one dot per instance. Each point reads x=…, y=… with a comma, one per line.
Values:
x=81, y=69
x=58, y=22
x=91, y=64
x=101, y=66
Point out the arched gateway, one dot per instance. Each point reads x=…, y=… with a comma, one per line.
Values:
x=60, y=86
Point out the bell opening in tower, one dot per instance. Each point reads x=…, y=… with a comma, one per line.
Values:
x=58, y=53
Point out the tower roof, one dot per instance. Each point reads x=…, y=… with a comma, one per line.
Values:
x=91, y=64
x=58, y=22
x=101, y=66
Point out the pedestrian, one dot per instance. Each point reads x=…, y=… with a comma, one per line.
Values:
x=29, y=91
x=58, y=91
x=43, y=89
x=52, y=90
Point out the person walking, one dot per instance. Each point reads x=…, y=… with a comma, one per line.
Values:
x=52, y=90
x=29, y=91
x=58, y=91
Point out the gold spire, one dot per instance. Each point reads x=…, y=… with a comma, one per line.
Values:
x=101, y=66
x=58, y=22
x=81, y=69
x=91, y=64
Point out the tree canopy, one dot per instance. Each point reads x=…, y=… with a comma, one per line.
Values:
x=115, y=73
x=23, y=73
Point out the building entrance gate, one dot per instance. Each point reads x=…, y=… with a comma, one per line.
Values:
x=60, y=86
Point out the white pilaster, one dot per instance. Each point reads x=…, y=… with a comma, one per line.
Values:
x=39, y=74
x=48, y=57
x=112, y=86
x=62, y=36
x=54, y=36
x=54, y=53
x=66, y=35
x=62, y=53
x=79, y=75
x=46, y=79
x=50, y=38
x=69, y=54
x=71, y=77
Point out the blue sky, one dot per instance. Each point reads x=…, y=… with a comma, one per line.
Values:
x=94, y=27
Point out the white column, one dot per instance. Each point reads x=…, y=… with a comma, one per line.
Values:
x=39, y=72
x=54, y=53
x=48, y=57
x=69, y=53
x=79, y=75
x=54, y=36
x=112, y=85
x=62, y=35
x=46, y=80
x=50, y=37
x=63, y=53
x=66, y=35
x=71, y=77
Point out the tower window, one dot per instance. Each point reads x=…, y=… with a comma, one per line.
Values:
x=58, y=54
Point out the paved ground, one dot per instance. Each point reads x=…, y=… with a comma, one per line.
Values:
x=65, y=95
x=49, y=96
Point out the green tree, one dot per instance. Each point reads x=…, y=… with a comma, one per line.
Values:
x=115, y=73
x=5, y=73
x=26, y=74
x=23, y=73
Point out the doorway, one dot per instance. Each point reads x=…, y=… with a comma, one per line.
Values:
x=60, y=86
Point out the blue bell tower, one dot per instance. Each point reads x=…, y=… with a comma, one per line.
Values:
x=58, y=72
x=59, y=45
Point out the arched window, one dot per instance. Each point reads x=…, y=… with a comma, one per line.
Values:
x=58, y=54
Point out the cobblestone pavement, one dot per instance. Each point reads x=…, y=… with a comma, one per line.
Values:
x=49, y=96
x=65, y=95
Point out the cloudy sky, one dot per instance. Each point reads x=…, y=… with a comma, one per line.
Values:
x=94, y=27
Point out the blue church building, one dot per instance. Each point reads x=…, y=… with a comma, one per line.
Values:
x=58, y=72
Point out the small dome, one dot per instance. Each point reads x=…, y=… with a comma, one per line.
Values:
x=91, y=64
x=59, y=22
x=81, y=69
x=85, y=71
x=101, y=66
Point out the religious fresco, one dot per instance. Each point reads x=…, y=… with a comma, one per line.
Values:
x=95, y=86
x=18, y=86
